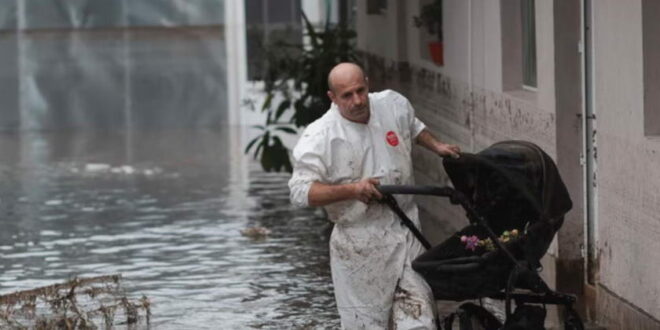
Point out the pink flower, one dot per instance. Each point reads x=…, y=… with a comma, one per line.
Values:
x=471, y=242
x=463, y=239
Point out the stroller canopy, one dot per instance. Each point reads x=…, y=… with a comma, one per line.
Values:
x=510, y=185
x=513, y=184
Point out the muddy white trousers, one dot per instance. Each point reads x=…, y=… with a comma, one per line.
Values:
x=413, y=308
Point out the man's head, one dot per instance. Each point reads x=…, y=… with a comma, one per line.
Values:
x=349, y=89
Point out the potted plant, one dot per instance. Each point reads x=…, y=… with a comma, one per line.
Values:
x=430, y=18
x=297, y=79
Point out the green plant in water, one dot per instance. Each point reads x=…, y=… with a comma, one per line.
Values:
x=296, y=76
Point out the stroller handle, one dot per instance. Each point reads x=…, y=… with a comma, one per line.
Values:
x=388, y=191
x=455, y=197
x=416, y=190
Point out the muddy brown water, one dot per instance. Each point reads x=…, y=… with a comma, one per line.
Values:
x=165, y=209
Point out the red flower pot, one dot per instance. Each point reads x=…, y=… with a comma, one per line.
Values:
x=437, y=52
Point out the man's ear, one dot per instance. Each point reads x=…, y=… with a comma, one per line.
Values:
x=331, y=95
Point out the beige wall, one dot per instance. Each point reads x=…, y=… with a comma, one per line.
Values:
x=628, y=170
x=480, y=112
x=464, y=102
x=480, y=63
x=379, y=33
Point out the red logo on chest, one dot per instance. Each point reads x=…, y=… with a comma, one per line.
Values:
x=392, y=139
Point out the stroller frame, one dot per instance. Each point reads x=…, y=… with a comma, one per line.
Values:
x=540, y=292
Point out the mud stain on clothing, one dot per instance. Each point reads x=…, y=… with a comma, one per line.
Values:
x=407, y=303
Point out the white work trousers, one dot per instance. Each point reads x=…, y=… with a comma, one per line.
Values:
x=413, y=307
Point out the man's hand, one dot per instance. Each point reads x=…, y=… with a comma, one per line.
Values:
x=321, y=194
x=365, y=190
x=430, y=142
x=447, y=150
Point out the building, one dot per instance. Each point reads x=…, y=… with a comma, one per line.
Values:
x=578, y=78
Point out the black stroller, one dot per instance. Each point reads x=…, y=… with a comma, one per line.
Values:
x=515, y=202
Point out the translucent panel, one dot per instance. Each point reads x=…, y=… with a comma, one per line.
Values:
x=115, y=78
x=73, y=65
x=49, y=14
x=9, y=114
x=73, y=79
x=178, y=77
x=175, y=12
x=8, y=15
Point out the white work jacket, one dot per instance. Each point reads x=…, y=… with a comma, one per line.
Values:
x=368, y=246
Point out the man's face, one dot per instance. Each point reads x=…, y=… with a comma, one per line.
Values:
x=351, y=94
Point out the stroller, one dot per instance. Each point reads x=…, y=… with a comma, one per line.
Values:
x=515, y=201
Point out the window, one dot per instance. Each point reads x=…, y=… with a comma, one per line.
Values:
x=651, y=58
x=528, y=43
x=268, y=22
x=429, y=23
x=376, y=7
x=518, y=45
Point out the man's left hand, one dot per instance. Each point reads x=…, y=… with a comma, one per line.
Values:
x=448, y=150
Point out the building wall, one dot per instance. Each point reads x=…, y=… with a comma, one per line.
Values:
x=378, y=33
x=628, y=171
x=568, y=102
x=469, y=102
x=462, y=102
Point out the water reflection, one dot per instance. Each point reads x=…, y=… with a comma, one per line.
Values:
x=165, y=209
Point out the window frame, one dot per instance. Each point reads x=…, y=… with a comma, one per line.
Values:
x=528, y=45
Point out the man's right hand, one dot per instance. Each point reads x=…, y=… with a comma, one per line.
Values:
x=321, y=194
x=365, y=190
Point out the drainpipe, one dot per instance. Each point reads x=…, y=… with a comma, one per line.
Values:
x=589, y=148
x=469, y=23
x=470, y=89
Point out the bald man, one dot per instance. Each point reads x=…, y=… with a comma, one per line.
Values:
x=363, y=140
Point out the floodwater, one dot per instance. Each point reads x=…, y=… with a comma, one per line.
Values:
x=165, y=209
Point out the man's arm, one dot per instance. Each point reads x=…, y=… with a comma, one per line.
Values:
x=430, y=142
x=321, y=194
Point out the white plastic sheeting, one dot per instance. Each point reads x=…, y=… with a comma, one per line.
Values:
x=111, y=64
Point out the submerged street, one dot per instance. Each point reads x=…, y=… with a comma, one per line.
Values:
x=166, y=210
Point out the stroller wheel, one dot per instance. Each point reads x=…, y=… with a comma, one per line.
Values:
x=472, y=317
x=572, y=320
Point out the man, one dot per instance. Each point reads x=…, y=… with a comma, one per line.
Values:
x=364, y=140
